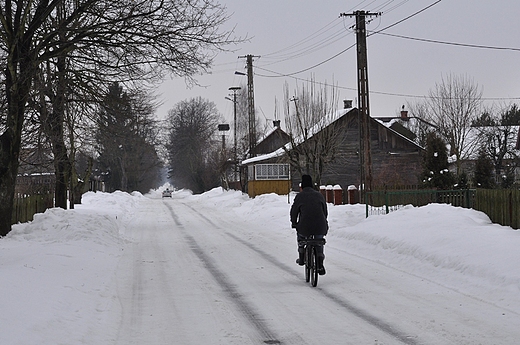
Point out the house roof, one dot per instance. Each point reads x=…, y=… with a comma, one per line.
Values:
x=326, y=121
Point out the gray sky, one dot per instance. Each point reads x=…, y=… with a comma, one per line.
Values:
x=294, y=35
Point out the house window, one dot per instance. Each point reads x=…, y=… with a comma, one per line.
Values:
x=272, y=172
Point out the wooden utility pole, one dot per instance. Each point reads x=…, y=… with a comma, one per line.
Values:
x=363, y=93
x=250, y=103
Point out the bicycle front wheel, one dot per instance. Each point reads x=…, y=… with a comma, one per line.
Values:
x=314, y=267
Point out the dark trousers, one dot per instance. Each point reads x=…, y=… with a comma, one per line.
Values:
x=319, y=249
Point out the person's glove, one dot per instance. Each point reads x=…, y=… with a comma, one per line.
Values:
x=293, y=225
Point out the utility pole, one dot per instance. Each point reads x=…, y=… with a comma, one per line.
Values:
x=234, y=100
x=363, y=103
x=250, y=102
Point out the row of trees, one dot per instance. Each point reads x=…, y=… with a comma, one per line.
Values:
x=59, y=58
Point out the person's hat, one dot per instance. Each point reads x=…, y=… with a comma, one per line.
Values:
x=306, y=181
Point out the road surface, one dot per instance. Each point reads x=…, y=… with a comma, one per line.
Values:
x=196, y=274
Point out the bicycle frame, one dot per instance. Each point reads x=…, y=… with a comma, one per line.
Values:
x=311, y=258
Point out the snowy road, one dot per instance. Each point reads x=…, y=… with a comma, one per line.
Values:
x=196, y=274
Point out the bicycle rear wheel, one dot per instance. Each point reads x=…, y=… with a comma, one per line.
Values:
x=314, y=267
x=307, y=263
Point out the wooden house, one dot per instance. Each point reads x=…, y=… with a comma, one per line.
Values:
x=396, y=159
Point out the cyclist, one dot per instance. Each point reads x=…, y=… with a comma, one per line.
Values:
x=309, y=217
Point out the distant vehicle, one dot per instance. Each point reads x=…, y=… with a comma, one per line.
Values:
x=167, y=193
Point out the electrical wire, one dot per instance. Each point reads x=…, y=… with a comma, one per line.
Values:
x=302, y=41
x=350, y=47
x=314, y=66
x=371, y=91
x=406, y=18
x=449, y=43
x=306, y=49
x=277, y=57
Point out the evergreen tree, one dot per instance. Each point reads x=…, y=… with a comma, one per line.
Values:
x=483, y=177
x=462, y=181
x=507, y=180
x=435, y=165
x=125, y=142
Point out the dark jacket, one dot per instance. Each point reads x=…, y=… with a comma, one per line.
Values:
x=309, y=213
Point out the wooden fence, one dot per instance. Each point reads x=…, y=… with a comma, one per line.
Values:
x=501, y=205
x=26, y=206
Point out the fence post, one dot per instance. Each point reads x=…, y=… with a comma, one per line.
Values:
x=323, y=192
x=386, y=203
x=330, y=194
x=338, y=195
x=352, y=195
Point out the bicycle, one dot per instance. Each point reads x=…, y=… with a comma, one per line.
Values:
x=311, y=258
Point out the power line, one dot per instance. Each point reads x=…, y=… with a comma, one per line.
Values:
x=406, y=18
x=350, y=47
x=383, y=93
x=314, y=66
x=302, y=41
x=448, y=43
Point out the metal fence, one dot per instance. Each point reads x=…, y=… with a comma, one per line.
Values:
x=383, y=202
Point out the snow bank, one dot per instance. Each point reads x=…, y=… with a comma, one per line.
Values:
x=57, y=271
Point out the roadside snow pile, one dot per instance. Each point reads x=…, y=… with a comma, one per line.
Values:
x=58, y=271
x=85, y=223
x=441, y=238
x=221, y=198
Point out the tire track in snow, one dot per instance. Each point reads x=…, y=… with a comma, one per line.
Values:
x=373, y=320
x=367, y=317
x=268, y=336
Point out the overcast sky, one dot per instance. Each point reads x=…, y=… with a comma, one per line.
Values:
x=295, y=35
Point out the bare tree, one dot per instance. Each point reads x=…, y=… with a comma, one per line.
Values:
x=192, y=148
x=421, y=127
x=315, y=135
x=452, y=106
x=138, y=39
x=498, y=131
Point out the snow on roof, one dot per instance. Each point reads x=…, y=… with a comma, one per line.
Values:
x=387, y=125
x=325, y=121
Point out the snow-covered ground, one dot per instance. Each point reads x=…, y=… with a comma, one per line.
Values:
x=219, y=268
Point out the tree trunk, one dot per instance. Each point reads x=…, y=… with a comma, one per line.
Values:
x=17, y=85
x=54, y=127
x=81, y=187
x=9, y=151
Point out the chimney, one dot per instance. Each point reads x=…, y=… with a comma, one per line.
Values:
x=276, y=123
x=347, y=103
x=404, y=114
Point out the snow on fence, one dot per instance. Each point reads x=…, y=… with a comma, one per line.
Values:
x=500, y=205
